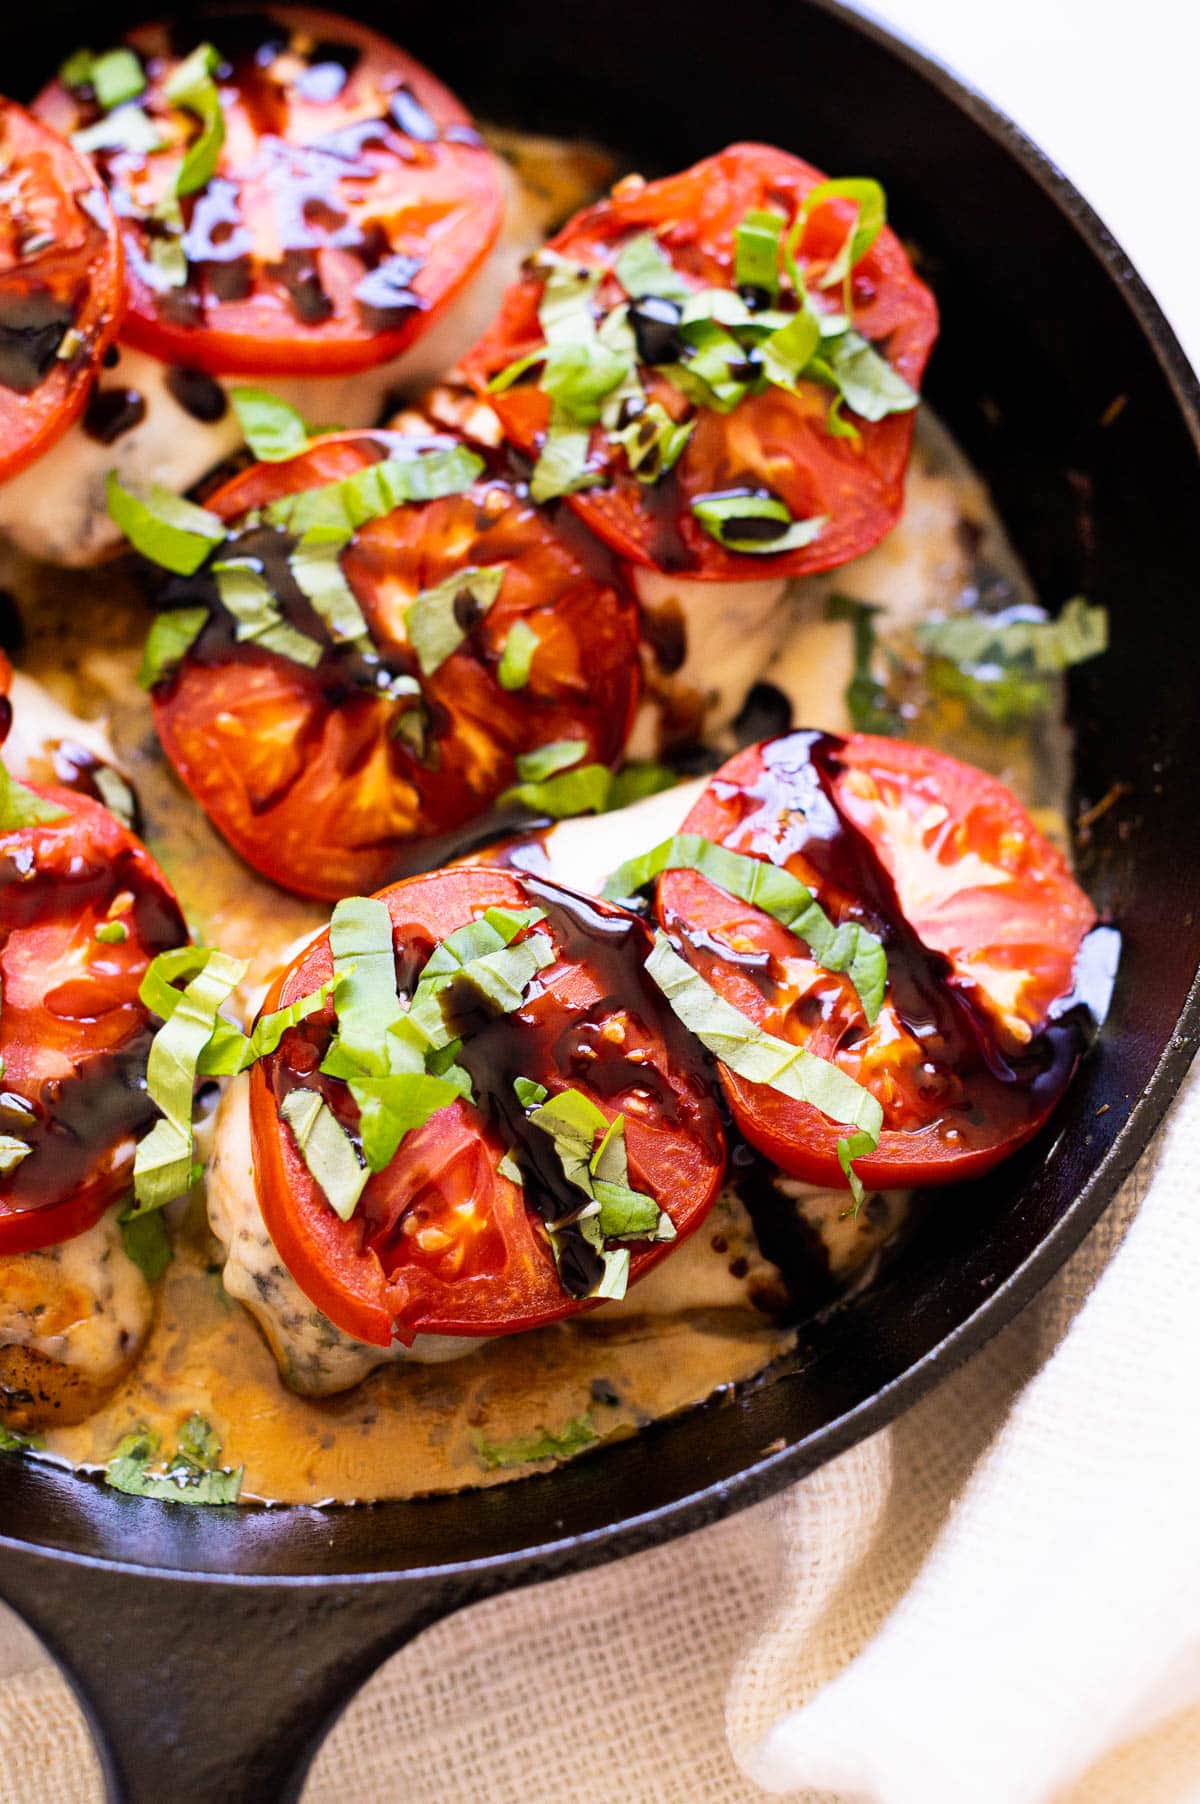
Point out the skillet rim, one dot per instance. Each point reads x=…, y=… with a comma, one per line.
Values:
x=767, y=1476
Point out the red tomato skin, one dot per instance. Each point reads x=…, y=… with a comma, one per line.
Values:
x=46, y=1033
x=340, y=799
x=520, y=1289
x=775, y=439
x=796, y=1136
x=83, y=255
x=261, y=334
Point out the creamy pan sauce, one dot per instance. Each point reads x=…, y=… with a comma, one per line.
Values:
x=700, y=1324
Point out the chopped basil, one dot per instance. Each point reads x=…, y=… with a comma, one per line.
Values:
x=866, y=381
x=193, y=89
x=273, y=430
x=501, y=978
x=633, y=782
x=162, y=1167
x=529, y=1093
x=126, y=128
x=364, y=967
x=12, y=1151
x=849, y=1148
x=112, y=933
x=169, y=261
x=789, y=348
x=714, y=374
x=584, y=790
x=117, y=76
x=230, y=1051
x=327, y=1150
x=848, y=947
x=76, y=70
x=579, y=376
x=147, y=1243
x=21, y=807
x=316, y=567
x=870, y=217
x=867, y=701
x=13, y=1441
x=758, y=524
x=652, y=441
x=516, y=660
x=191, y=1476
x=756, y=251
x=377, y=490
x=246, y=594
x=562, y=467
x=545, y=1443
x=389, y=1107
x=545, y=760
x=164, y=527
x=168, y=642
x=753, y=1053
x=440, y=618
x=1020, y=637
x=643, y=267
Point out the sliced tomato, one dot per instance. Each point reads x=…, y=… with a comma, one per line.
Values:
x=981, y=921
x=73, y=1034
x=303, y=770
x=778, y=441
x=442, y=1242
x=351, y=201
x=60, y=285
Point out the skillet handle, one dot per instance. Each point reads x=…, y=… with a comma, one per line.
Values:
x=211, y=1691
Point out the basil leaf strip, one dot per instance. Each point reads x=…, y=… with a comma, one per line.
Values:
x=870, y=217
x=168, y=642
x=585, y=790
x=230, y=1051
x=756, y=251
x=644, y=268
x=191, y=1476
x=327, y=1150
x=316, y=568
x=516, y=660
x=867, y=383
x=562, y=467
x=753, y=1053
x=364, y=967
x=848, y=948
x=1048, y=646
x=545, y=1443
x=376, y=491
x=247, y=595
x=12, y=1151
x=434, y=621
x=733, y=520
x=273, y=430
x=164, y=528
x=115, y=77
x=193, y=89
x=20, y=807
x=147, y=1243
x=162, y=1166
x=545, y=760
x=652, y=441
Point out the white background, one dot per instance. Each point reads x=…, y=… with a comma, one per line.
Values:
x=1110, y=90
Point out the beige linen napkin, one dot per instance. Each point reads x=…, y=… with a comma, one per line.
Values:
x=996, y=1601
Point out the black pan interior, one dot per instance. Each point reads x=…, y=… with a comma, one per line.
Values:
x=1044, y=326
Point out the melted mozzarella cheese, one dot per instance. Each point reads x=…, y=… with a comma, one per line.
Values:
x=82, y=1303
x=717, y=1267
x=584, y=851
x=728, y=633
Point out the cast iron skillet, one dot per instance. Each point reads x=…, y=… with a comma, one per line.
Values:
x=212, y=1648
